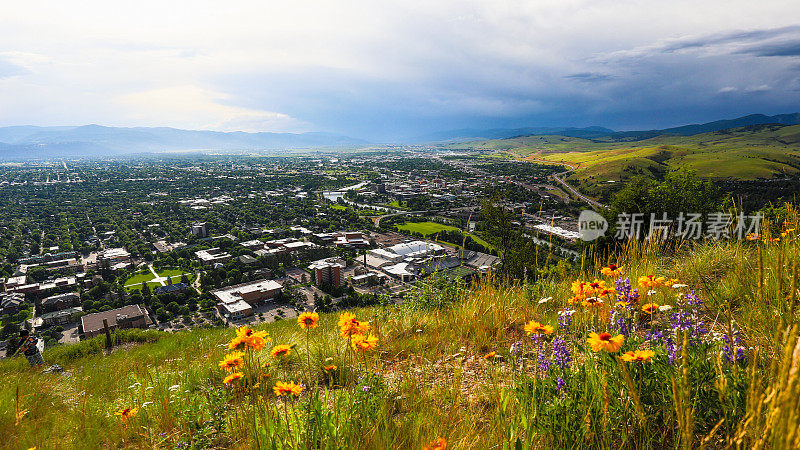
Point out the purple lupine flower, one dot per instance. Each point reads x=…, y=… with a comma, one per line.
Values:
x=561, y=354
x=687, y=317
x=654, y=335
x=565, y=319
x=673, y=350
x=625, y=292
x=618, y=321
x=733, y=349
x=543, y=363
x=560, y=383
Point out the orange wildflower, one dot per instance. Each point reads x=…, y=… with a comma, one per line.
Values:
x=490, y=355
x=291, y=388
x=651, y=281
x=638, y=355
x=611, y=271
x=649, y=308
x=605, y=341
x=247, y=338
x=232, y=361
x=308, y=320
x=597, y=285
x=608, y=291
x=127, y=413
x=363, y=343
x=592, y=301
x=536, y=327
x=349, y=325
x=233, y=377
x=438, y=444
x=281, y=350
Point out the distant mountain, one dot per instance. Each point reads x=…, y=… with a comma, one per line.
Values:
x=718, y=125
x=470, y=134
x=96, y=140
x=604, y=134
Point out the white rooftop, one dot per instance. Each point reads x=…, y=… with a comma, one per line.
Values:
x=234, y=293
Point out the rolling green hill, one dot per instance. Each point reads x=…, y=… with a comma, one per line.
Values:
x=746, y=153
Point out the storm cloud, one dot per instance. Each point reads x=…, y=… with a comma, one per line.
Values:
x=392, y=70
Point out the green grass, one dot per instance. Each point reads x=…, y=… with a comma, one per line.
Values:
x=135, y=281
x=139, y=278
x=360, y=212
x=431, y=228
x=743, y=154
x=426, y=228
x=429, y=376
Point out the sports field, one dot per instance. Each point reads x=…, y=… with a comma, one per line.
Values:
x=430, y=228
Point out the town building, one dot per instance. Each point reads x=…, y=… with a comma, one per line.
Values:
x=212, y=256
x=253, y=292
x=200, y=229
x=351, y=239
x=11, y=302
x=236, y=302
x=60, y=301
x=380, y=257
x=48, y=258
x=114, y=255
x=255, y=244
x=327, y=271
x=171, y=288
x=131, y=316
x=15, y=282
x=236, y=310
x=60, y=317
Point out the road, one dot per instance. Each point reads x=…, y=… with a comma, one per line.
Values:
x=559, y=178
x=593, y=203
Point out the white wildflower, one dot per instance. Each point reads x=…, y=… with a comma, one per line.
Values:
x=679, y=286
x=652, y=292
x=665, y=308
x=545, y=300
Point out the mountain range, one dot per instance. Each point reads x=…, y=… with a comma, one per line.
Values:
x=96, y=140
x=32, y=142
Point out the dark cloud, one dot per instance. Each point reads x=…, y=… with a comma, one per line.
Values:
x=789, y=48
x=731, y=37
x=590, y=77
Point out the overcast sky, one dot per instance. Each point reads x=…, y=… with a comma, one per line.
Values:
x=385, y=70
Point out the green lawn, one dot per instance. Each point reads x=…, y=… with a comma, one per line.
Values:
x=139, y=278
x=430, y=228
x=360, y=212
x=136, y=280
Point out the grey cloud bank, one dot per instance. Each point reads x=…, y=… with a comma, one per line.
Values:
x=392, y=71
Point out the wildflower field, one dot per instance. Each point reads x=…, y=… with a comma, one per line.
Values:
x=654, y=346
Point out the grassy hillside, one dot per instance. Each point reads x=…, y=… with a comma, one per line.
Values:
x=471, y=367
x=762, y=151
